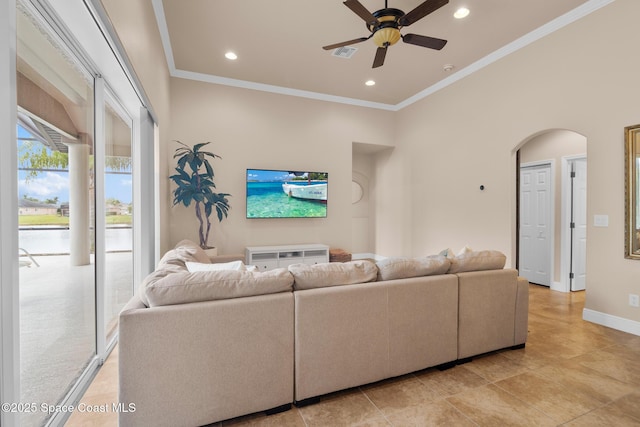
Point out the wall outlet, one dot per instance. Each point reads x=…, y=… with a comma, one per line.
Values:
x=634, y=300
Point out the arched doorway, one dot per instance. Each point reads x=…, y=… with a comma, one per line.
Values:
x=551, y=209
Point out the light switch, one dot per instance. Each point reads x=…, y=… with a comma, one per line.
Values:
x=601, y=220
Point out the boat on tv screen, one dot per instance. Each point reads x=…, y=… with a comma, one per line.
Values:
x=286, y=194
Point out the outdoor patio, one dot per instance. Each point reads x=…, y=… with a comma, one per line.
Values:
x=57, y=322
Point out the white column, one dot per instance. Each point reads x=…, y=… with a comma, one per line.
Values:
x=79, y=236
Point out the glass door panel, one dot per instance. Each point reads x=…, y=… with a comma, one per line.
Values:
x=56, y=217
x=118, y=190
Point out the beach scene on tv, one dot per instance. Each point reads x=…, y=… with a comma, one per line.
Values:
x=286, y=194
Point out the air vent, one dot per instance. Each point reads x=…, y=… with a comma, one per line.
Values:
x=344, y=52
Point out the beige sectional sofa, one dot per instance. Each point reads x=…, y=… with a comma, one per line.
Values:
x=352, y=335
x=196, y=348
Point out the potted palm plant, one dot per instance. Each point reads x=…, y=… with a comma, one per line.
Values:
x=194, y=180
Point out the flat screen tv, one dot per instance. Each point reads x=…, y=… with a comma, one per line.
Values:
x=286, y=194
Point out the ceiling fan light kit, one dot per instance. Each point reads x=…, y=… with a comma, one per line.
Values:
x=385, y=31
x=386, y=37
x=385, y=25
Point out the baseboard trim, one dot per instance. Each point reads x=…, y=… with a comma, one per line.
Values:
x=558, y=286
x=611, y=321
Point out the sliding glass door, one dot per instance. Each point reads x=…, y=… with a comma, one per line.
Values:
x=75, y=145
x=57, y=279
x=118, y=211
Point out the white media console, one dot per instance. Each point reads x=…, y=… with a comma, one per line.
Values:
x=270, y=257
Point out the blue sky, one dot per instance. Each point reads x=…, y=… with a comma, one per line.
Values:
x=274, y=175
x=48, y=185
x=268, y=175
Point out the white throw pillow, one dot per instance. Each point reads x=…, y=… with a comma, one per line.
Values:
x=198, y=266
x=465, y=250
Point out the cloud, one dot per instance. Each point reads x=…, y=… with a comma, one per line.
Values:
x=126, y=182
x=48, y=185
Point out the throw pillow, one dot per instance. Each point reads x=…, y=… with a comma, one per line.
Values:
x=184, y=287
x=478, y=261
x=308, y=276
x=447, y=253
x=401, y=268
x=465, y=250
x=184, y=251
x=159, y=273
x=198, y=266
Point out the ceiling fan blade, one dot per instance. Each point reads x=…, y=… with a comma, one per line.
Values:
x=378, y=61
x=424, y=41
x=421, y=11
x=361, y=11
x=347, y=43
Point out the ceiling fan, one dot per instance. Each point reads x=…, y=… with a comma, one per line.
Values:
x=385, y=24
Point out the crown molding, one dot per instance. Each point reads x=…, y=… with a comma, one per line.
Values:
x=225, y=81
x=546, y=29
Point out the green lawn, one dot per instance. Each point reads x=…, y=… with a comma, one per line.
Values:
x=64, y=220
x=43, y=220
x=119, y=219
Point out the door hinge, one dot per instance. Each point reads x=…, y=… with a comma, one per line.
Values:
x=571, y=275
x=573, y=174
x=572, y=225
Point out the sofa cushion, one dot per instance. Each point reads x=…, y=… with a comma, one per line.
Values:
x=322, y=275
x=183, y=287
x=478, y=261
x=184, y=251
x=401, y=268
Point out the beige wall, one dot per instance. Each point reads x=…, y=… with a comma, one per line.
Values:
x=582, y=78
x=363, y=215
x=137, y=29
x=554, y=145
x=258, y=130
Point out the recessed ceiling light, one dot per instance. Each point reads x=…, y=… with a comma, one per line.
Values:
x=370, y=83
x=230, y=55
x=461, y=13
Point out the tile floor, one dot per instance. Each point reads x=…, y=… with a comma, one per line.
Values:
x=571, y=373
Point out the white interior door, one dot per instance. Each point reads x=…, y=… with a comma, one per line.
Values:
x=536, y=235
x=579, y=235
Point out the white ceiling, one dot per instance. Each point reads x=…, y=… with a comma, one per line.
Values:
x=279, y=44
